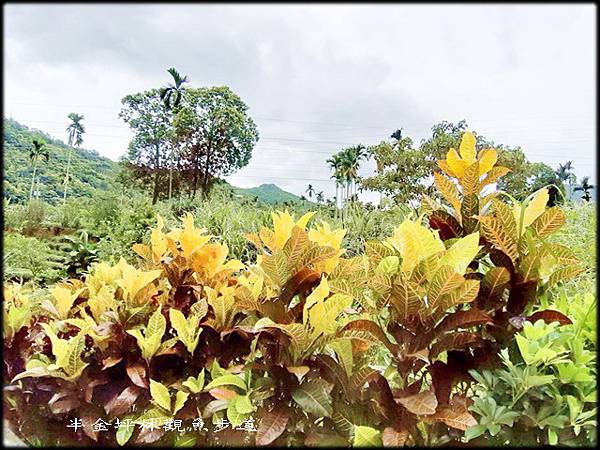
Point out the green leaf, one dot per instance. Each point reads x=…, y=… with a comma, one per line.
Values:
x=160, y=394
x=243, y=404
x=124, y=433
x=184, y=440
x=195, y=385
x=366, y=437
x=388, y=265
x=227, y=380
x=233, y=415
x=313, y=399
x=180, y=399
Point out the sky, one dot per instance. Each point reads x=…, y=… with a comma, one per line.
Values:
x=317, y=78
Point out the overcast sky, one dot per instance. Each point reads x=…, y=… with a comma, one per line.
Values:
x=317, y=77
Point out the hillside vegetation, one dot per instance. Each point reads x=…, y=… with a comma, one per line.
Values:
x=89, y=170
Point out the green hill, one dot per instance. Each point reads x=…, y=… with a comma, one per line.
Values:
x=269, y=193
x=89, y=171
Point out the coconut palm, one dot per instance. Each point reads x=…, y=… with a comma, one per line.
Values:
x=585, y=187
x=397, y=135
x=76, y=131
x=336, y=164
x=320, y=197
x=172, y=93
x=565, y=173
x=171, y=96
x=37, y=152
x=310, y=191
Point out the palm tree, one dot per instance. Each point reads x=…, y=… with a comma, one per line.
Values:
x=397, y=135
x=310, y=191
x=76, y=131
x=565, y=173
x=173, y=91
x=335, y=163
x=585, y=186
x=38, y=151
x=320, y=197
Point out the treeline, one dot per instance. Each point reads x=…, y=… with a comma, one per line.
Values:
x=403, y=169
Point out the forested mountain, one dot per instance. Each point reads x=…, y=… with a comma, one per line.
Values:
x=89, y=171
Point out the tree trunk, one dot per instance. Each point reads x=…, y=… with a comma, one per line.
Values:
x=67, y=177
x=170, y=181
x=206, y=177
x=32, y=183
x=156, y=177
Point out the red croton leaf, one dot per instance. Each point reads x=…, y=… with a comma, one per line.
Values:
x=121, y=403
x=454, y=341
x=110, y=361
x=422, y=404
x=549, y=316
x=463, y=319
x=393, y=438
x=137, y=374
x=89, y=416
x=63, y=401
x=221, y=393
x=272, y=425
x=445, y=223
x=456, y=415
x=370, y=327
x=302, y=281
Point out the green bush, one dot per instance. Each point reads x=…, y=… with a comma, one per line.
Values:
x=546, y=392
x=29, y=259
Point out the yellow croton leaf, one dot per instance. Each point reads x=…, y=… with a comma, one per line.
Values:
x=64, y=298
x=534, y=209
x=134, y=280
x=102, y=300
x=461, y=253
x=317, y=295
x=158, y=240
x=102, y=274
x=323, y=235
x=467, y=148
x=191, y=238
x=210, y=260
x=415, y=243
x=283, y=223
x=455, y=164
x=487, y=158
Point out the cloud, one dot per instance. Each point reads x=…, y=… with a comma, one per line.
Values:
x=317, y=76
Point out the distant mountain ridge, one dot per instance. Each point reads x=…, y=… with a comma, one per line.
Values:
x=89, y=170
x=269, y=193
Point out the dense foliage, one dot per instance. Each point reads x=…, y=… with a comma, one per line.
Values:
x=88, y=172
x=318, y=345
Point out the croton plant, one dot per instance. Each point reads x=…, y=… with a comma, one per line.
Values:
x=191, y=347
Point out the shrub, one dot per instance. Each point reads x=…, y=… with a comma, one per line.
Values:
x=28, y=259
x=544, y=395
x=292, y=337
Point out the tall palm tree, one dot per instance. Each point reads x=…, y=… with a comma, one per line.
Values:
x=320, y=197
x=172, y=93
x=310, y=191
x=586, y=187
x=37, y=152
x=397, y=134
x=76, y=131
x=335, y=163
x=171, y=96
x=565, y=173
